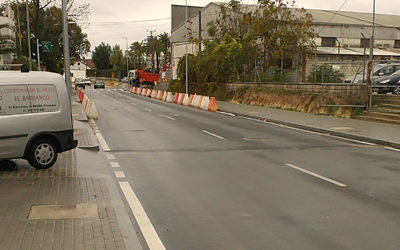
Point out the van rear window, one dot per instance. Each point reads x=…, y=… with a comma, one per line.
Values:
x=27, y=99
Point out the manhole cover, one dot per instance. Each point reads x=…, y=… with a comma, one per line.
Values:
x=53, y=212
x=257, y=139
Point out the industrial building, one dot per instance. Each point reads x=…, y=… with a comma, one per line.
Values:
x=342, y=36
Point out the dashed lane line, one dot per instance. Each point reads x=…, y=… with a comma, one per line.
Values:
x=110, y=156
x=149, y=233
x=114, y=164
x=216, y=136
x=168, y=117
x=99, y=136
x=226, y=113
x=149, y=110
x=119, y=174
x=317, y=175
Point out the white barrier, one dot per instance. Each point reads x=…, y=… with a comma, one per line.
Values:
x=169, y=97
x=91, y=111
x=153, y=93
x=205, y=103
x=186, y=100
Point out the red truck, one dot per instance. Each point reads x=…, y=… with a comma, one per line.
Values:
x=140, y=77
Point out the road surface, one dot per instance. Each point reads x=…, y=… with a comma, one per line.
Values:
x=213, y=181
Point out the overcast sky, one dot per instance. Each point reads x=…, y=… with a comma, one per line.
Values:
x=109, y=21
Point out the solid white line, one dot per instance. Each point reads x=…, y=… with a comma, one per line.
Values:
x=147, y=109
x=169, y=117
x=119, y=174
x=209, y=133
x=114, y=164
x=102, y=142
x=134, y=104
x=393, y=149
x=317, y=175
x=110, y=156
x=149, y=233
x=226, y=113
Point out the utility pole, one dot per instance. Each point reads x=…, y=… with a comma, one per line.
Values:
x=38, y=53
x=66, y=48
x=152, y=49
x=199, y=31
x=29, y=35
x=127, y=55
x=370, y=63
x=19, y=32
x=186, y=43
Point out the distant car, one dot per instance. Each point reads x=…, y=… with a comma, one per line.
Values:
x=99, y=84
x=124, y=80
x=388, y=84
x=379, y=71
x=80, y=85
x=87, y=81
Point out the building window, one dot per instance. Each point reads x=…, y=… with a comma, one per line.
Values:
x=397, y=44
x=328, y=41
x=364, y=42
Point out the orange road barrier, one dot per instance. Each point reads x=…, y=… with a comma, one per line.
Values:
x=181, y=99
x=176, y=98
x=191, y=100
x=200, y=102
x=213, y=106
x=168, y=97
x=185, y=100
x=153, y=94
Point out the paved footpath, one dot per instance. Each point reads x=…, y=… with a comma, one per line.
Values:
x=85, y=209
x=380, y=133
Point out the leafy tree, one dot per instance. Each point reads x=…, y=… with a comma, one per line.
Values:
x=101, y=56
x=325, y=74
x=117, y=59
x=137, y=52
x=165, y=47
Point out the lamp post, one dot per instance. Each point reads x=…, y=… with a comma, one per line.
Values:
x=66, y=48
x=370, y=63
x=127, y=55
x=186, y=43
x=29, y=35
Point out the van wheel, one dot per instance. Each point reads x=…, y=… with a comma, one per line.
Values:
x=43, y=154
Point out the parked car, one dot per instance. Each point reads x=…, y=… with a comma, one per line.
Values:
x=99, y=84
x=35, y=117
x=379, y=71
x=388, y=84
x=87, y=81
x=124, y=80
x=80, y=85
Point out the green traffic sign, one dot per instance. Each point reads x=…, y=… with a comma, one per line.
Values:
x=47, y=47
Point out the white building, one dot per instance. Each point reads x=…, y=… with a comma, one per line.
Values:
x=340, y=34
x=78, y=69
x=7, y=36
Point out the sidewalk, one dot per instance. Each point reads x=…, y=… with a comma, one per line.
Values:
x=73, y=205
x=379, y=133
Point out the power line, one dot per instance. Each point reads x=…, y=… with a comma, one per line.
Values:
x=334, y=14
x=130, y=21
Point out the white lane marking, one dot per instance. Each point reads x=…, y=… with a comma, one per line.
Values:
x=149, y=110
x=114, y=164
x=119, y=174
x=108, y=90
x=102, y=142
x=110, y=156
x=149, y=233
x=121, y=90
x=168, y=117
x=226, y=113
x=317, y=175
x=209, y=133
x=393, y=149
x=134, y=104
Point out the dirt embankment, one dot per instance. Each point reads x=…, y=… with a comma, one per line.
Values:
x=292, y=100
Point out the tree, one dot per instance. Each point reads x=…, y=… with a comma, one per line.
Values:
x=101, y=56
x=117, y=59
x=325, y=74
x=165, y=48
x=46, y=24
x=137, y=52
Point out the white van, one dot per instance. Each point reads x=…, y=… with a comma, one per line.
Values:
x=35, y=117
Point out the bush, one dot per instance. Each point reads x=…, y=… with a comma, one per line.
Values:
x=325, y=74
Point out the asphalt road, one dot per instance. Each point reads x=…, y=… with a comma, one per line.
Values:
x=211, y=181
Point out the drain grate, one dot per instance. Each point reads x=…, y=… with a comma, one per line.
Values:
x=54, y=212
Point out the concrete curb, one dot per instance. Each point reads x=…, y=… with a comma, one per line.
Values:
x=320, y=130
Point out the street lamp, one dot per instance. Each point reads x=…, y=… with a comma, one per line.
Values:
x=29, y=35
x=186, y=43
x=127, y=55
x=66, y=48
